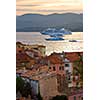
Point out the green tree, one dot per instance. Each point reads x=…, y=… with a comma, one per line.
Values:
x=39, y=96
x=23, y=87
x=26, y=89
x=78, y=68
x=19, y=84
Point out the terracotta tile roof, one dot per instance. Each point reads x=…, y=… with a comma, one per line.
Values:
x=37, y=45
x=23, y=57
x=18, y=64
x=73, y=56
x=19, y=43
x=43, y=75
x=55, y=59
x=36, y=66
x=41, y=46
x=28, y=74
x=28, y=50
x=21, y=71
x=19, y=50
x=52, y=59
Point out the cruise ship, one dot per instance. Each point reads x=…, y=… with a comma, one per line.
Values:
x=48, y=31
x=53, y=32
x=64, y=31
x=56, y=34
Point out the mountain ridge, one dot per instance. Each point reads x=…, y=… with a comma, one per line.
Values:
x=38, y=22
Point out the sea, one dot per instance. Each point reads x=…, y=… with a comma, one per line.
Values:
x=52, y=46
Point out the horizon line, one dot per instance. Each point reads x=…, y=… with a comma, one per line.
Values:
x=50, y=14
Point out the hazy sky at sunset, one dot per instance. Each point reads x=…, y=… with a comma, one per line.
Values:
x=48, y=6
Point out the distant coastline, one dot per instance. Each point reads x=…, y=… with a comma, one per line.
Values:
x=32, y=30
x=49, y=14
x=38, y=22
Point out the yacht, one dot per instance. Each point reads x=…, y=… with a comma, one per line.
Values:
x=64, y=31
x=53, y=32
x=54, y=39
x=56, y=34
x=48, y=31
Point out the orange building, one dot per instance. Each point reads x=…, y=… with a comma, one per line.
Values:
x=24, y=61
x=54, y=63
x=36, y=48
x=72, y=58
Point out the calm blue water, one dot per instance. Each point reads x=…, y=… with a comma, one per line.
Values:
x=52, y=46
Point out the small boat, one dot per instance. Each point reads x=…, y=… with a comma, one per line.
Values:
x=73, y=41
x=55, y=39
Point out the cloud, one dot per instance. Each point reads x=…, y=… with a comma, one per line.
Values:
x=24, y=10
x=48, y=6
x=22, y=0
x=28, y=5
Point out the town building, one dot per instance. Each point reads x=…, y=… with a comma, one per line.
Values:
x=23, y=60
x=72, y=60
x=35, y=47
x=76, y=95
x=50, y=85
x=54, y=63
x=49, y=75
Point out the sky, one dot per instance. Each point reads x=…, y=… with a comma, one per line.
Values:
x=48, y=6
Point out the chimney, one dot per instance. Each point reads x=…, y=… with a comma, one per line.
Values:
x=48, y=63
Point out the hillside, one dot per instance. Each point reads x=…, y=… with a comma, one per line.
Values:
x=38, y=22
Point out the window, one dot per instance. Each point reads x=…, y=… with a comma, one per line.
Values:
x=60, y=68
x=23, y=64
x=67, y=72
x=69, y=78
x=74, y=97
x=20, y=51
x=54, y=68
x=36, y=48
x=66, y=65
x=79, y=97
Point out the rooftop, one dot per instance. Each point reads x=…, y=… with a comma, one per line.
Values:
x=54, y=59
x=23, y=57
x=73, y=56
